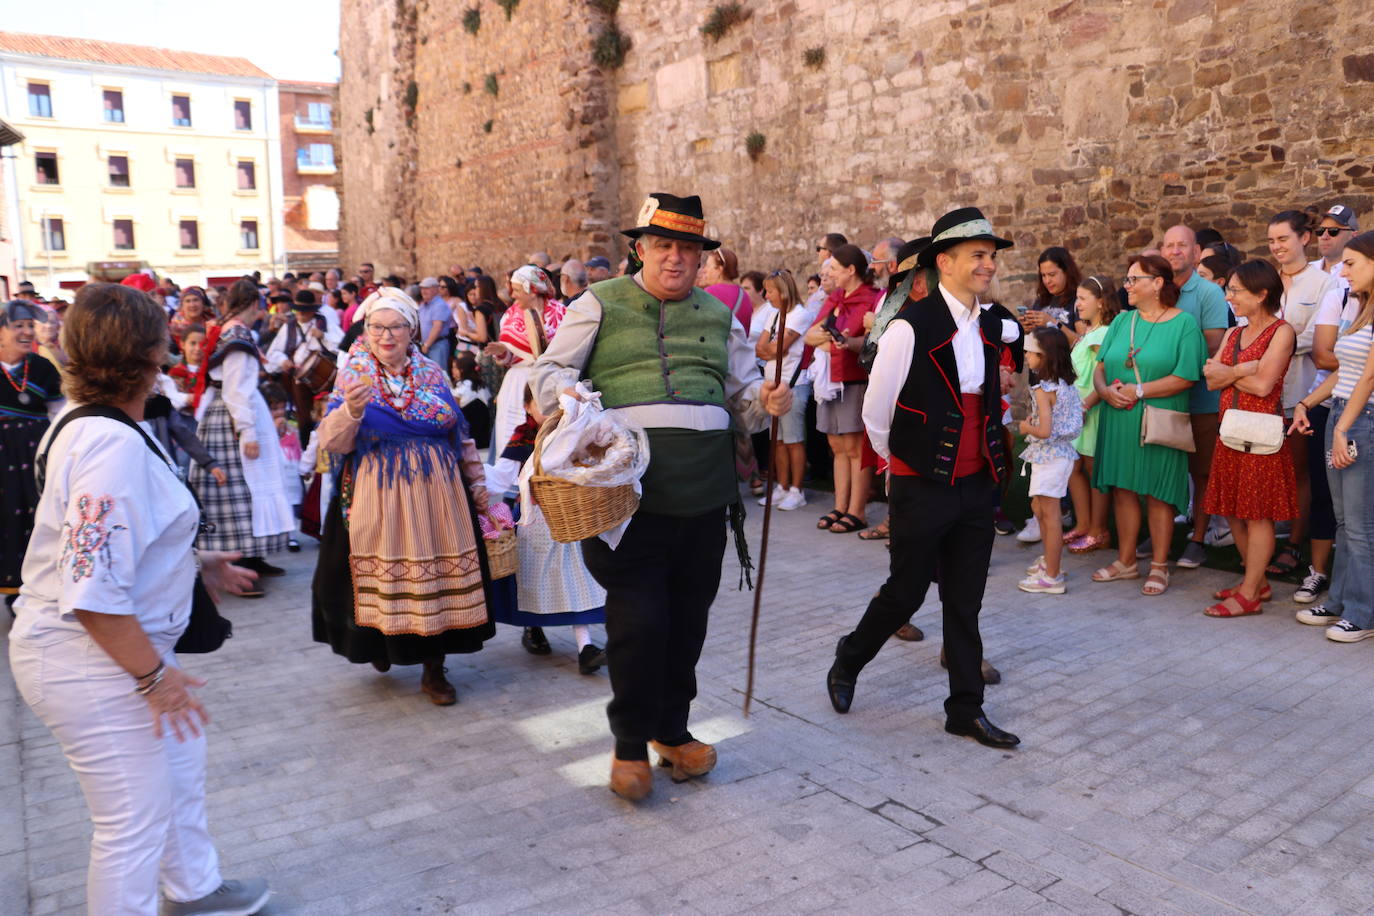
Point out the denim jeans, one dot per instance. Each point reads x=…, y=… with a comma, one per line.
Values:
x=1352, y=497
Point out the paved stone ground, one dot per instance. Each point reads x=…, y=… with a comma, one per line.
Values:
x=1171, y=764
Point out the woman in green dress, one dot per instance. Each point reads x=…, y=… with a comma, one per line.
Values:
x=1153, y=354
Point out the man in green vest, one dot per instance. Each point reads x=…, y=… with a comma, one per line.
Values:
x=671, y=359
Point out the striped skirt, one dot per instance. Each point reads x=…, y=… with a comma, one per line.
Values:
x=230, y=507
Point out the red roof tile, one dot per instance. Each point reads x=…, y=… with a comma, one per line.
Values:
x=109, y=52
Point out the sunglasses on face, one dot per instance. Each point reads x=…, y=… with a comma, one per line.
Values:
x=1330, y=231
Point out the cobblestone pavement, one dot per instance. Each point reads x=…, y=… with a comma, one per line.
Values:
x=1170, y=763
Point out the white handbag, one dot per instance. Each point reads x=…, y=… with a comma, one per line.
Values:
x=1250, y=431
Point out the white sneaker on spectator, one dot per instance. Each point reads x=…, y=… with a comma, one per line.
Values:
x=1031, y=533
x=1345, y=631
x=1042, y=584
x=1037, y=567
x=1219, y=537
x=791, y=499
x=1312, y=586
x=778, y=494
x=1318, y=616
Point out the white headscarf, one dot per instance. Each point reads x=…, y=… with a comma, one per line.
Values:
x=532, y=280
x=389, y=297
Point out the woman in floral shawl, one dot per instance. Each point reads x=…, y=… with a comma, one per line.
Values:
x=526, y=329
x=401, y=577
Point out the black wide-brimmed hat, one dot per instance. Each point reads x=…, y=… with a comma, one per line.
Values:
x=672, y=218
x=907, y=255
x=305, y=301
x=967, y=224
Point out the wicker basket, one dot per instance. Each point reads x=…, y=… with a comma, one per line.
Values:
x=576, y=512
x=502, y=558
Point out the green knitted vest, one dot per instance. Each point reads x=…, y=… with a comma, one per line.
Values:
x=652, y=352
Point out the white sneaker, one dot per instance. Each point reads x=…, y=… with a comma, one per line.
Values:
x=778, y=493
x=1345, y=631
x=1031, y=533
x=791, y=499
x=1037, y=567
x=1042, y=584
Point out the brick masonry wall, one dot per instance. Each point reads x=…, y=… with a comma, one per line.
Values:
x=1089, y=123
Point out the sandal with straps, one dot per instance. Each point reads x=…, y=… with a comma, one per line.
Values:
x=829, y=519
x=1157, y=582
x=1236, y=605
x=1116, y=571
x=848, y=524
x=1266, y=593
x=1285, y=561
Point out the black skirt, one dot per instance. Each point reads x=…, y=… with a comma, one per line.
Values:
x=332, y=619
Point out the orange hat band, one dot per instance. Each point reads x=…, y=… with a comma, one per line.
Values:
x=677, y=222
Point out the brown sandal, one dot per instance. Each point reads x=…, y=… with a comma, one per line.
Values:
x=1117, y=570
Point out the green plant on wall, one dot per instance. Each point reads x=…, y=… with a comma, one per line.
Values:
x=509, y=6
x=754, y=144
x=472, y=20
x=467, y=88
x=723, y=17
x=367, y=116
x=412, y=94
x=814, y=57
x=491, y=85
x=610, y=47
x=486, y=125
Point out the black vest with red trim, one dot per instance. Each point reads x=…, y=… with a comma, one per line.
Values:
x=928, y=421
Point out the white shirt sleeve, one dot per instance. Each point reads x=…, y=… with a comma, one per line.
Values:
x=885, y=382
x=1329, y=311
x=240, y=388
x=1010, y=331
x=276, y=351
x=743, y=381
x=561, y=365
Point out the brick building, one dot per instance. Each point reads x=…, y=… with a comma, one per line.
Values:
x=310, y=201
x=1090, y=123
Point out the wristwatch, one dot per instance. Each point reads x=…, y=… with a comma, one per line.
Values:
x=1139, y=391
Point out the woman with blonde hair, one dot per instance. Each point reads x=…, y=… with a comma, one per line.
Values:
x=781, y=322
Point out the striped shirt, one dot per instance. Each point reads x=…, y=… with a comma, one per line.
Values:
x=1352, y=350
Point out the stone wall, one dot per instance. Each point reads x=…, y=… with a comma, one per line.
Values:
x=1089, y=123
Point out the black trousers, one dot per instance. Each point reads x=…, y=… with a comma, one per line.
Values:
x=659, y=583
x=935, y=525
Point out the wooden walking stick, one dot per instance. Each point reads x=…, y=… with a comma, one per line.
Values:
x=767, y=516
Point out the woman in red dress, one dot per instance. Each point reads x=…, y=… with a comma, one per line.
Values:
x=1252, y=491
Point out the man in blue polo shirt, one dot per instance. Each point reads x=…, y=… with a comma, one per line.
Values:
x=1207, y=304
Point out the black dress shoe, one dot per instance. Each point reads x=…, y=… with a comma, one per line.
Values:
x=260, y=566
x=984, y=732
x=590, y=659
x=839, y=683
x=535, y=642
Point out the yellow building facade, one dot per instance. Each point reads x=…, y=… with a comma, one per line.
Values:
x=139, y=157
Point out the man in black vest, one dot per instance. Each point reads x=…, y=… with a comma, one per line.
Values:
x=933, y=409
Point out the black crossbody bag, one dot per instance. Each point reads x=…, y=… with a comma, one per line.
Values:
x=207, y=629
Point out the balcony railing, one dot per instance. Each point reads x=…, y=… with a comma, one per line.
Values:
x=305, y=122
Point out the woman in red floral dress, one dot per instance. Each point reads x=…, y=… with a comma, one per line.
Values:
x=1252, y=491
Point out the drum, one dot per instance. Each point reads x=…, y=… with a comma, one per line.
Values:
x=316, y=372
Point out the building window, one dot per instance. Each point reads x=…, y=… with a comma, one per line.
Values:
x=315, y=156
x=119, y=171
x=190, y=235
x=181, y=111
x=124, y=235
x=317, y=114
x=248, y=234
x=186, y=173
x=40, y=100
x=243, y=114
x=114, y=106
x=54, y=236
x=248, y=178
x=47, y=168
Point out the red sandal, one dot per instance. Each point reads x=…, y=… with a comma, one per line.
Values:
x=1266, y=593
x=1244, y=607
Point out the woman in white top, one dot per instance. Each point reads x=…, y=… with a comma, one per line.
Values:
x=251, y=513
x=783, y=310
x=1348, y=613
x=107, y=592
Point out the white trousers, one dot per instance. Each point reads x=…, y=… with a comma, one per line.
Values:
x=146, y=794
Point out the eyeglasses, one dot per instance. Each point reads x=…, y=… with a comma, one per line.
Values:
x=1330, y=231
x=382, y=330
x=822, y=248
x=1130, y=281
x=1232, y=290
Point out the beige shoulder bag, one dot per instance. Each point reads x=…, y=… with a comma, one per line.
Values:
x=1159, y=425
x=1250, y=431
